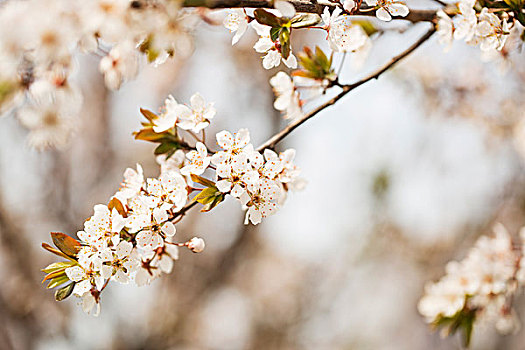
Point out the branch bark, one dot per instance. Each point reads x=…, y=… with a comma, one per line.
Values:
x=303, y=6
x=345, y=89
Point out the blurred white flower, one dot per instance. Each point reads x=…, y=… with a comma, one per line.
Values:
x=286, y=97
x=388, y=8
x=445, y=29
x=237, y=22
x=119, y=65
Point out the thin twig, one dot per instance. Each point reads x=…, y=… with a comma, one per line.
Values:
x=184, y=209
x=345, y=89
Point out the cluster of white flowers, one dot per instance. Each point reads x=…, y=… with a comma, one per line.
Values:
x=237, y=21
x=131, y=238
x=195, y=117
x=483, y=283
x=485, y=29
x=36, y=59
x=258, y=181
x=345, y=36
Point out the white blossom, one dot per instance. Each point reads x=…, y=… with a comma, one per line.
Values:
x=287, y=98
x=388, y=8
x=284, y=8
x=198, y=116
x=236, y=21
x=266, y=45
x=168, y=117
x=119, y=65
x=491, y=31
x=170, y=188
x=196, y=245
x=52, y=120
x=481, y=282
x=445, y=29
x=465, y=27
x=199, y=160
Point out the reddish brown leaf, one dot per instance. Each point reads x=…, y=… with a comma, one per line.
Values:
x=66, y=244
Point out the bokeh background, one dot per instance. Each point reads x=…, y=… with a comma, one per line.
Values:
x=403, y=175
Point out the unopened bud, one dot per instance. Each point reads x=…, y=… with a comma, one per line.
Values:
x=196, y=244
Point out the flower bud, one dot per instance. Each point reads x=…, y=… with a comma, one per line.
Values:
x=196, y=245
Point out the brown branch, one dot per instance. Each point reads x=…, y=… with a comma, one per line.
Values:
x=345, y=89
x=302, y=6
x=183, y=211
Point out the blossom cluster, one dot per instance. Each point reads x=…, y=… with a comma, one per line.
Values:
x=259, y=181
x=485, y=28
x=37, y=59
x=343, y=35
x=479, y=288
x=195, y=117
x=237, y=21
x=131, y=239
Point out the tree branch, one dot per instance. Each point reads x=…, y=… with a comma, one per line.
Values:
x=345, y=89
x=302, y=6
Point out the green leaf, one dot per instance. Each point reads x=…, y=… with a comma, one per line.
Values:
x=8, y=89
x=201, y=180
x=269, y=19
x=274, y=33
x=66, y=244
x=513, y=4
x=62, y=265
x=521, y=18
x=284, y=40
x=64, y=292
x=315, y=65
x=55, y=282
x=216, y=201
x=53, y=275
x=148, y=114
x=305, y=20
x=151, y=55
x=463, y=321
x=322, y=59
x=207, y=195
x=306, y=61
x=167, y=147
